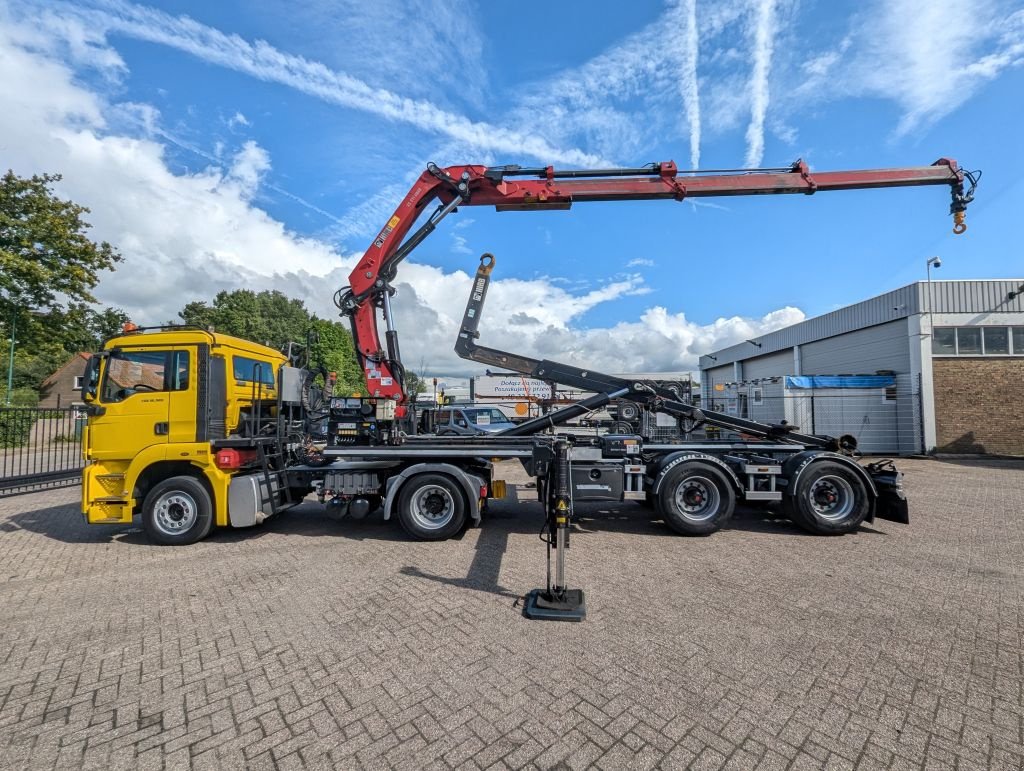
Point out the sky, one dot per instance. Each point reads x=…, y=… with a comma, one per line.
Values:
x=263, y=145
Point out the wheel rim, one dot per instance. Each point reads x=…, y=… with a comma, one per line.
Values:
x=175, y=512
x=697, y=498
x=432, y=507
x=831, y=498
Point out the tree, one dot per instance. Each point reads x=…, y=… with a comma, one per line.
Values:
x=272, y=318
x=334, y=350
x=267, y=317
x=45, y=254
x=48, y=268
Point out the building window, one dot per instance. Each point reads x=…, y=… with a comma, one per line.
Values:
x=758, y=396
x=968, y=341
x=978, y=341
x=997, y=340
x=79, y=381
x=944, y=341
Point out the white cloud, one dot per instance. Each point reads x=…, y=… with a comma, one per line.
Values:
x=265, y=62
x=187, y=236
x=238, y=120
x=927, y=57
x=640, y=262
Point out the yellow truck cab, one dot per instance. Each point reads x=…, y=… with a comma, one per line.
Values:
x=179, y=432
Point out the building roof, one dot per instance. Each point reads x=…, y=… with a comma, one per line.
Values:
x=956, y=296
x=74, y=360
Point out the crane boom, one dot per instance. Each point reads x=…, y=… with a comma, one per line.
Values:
x=514, y=188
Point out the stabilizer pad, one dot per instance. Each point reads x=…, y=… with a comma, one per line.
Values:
x=542, y=606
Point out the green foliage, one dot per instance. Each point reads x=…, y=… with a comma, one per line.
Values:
x=44, y=251
x=20, y=397
x=16, y=427
x=48, y=268
x=333, y=348
x=269, y=318
x=414, y=384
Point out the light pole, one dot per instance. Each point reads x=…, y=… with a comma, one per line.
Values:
x=937, y=262
x=10, y=360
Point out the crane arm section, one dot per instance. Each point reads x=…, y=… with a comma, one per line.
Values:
x=513, y=188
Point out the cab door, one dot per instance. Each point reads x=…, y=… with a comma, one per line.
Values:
x=134, y=400
x=181, y=395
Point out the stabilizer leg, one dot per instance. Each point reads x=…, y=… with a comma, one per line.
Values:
x=556, y=602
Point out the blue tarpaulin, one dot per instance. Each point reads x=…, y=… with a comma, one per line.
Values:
x=840, y=381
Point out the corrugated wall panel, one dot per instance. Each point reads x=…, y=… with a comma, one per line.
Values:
x=772, y=365
x=863, y=352
x=947, y=297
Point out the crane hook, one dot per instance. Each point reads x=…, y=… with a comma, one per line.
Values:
x=959, y=226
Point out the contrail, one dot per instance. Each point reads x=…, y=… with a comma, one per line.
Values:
x=764, y=41
x=261, y=60
x=688, y=84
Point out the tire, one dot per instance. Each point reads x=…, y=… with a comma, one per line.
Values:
x=829, y=499
x=177, y=511
x=695, y=498
x=431, y=507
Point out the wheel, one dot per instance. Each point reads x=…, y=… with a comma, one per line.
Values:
x=829, y=499
x=628, y=411
x=695, y=498
x=431, y=507
x=620, y=427
x=177, y=511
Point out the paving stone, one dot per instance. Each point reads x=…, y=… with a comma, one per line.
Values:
x=317, y=642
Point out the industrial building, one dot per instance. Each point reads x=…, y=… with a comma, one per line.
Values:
x=936, y=366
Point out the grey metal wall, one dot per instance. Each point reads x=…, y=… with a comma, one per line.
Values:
x=862, y=352
x=772, y=365
x=945, y=297
x=709, y=377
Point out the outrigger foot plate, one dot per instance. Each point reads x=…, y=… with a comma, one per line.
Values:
x=542, y=605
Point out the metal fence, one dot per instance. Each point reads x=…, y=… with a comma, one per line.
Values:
x=884, y=421
x=39, y=448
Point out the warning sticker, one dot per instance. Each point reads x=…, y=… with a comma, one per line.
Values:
x=392, y=224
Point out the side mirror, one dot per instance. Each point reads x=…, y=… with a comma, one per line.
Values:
x=91, y=379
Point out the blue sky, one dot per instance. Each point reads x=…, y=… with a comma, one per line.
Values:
x=262, y=144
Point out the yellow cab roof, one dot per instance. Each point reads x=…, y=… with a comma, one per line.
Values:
x=190, y=336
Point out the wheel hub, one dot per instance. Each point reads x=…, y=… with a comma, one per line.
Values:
x=697, y=499
x=176, y=512
x=831, y=497
x=433, y=507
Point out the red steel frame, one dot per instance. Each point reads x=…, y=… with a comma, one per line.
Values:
x=501, y=188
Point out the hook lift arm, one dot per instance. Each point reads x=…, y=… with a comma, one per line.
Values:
x=514, y=188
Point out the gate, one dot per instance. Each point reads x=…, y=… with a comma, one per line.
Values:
x=40, y=448
x=885, y=420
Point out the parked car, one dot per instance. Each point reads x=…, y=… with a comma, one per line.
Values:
x=469, y=420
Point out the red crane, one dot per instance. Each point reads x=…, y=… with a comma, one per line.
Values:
x=513, y=188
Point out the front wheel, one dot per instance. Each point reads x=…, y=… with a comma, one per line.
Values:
x=431, y=507
x=829, y=499
x=695, y=498
x=177, y=511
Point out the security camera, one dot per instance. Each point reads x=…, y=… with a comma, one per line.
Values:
x=938, y=263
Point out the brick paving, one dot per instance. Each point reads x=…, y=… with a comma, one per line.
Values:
x=314, y=641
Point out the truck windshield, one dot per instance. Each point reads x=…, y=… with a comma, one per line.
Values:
x=484, y=416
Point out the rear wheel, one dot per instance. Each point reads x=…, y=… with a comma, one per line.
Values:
x=695, y=498
x=177, y=511
x=431, y=507
x=829, y=499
